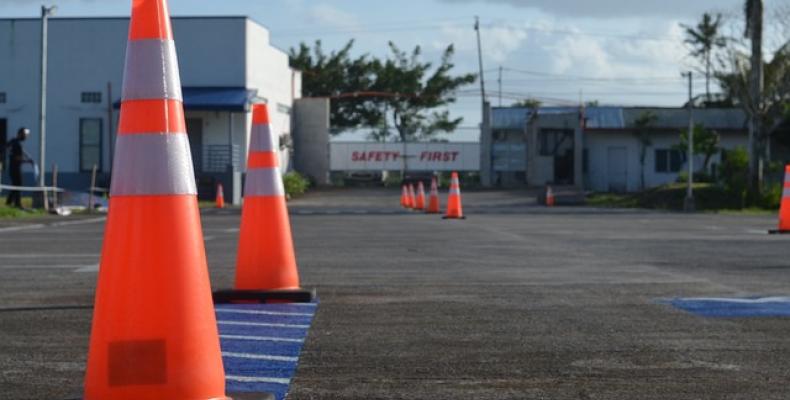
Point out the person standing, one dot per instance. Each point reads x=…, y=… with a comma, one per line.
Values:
x=17, y=157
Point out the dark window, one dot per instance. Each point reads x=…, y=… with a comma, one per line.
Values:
x=91, y=97
x=668, y=161
x=90, y=143
x=551, y=140
x=2, y=97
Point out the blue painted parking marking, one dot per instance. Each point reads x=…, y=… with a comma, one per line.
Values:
x=722, y=307
x=261, y=344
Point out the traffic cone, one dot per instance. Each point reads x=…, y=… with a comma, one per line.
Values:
x=412, y=197
x=220, y=199
x=433, y=200
x=454, y=209
x=784, y=208
x=404, y=197
x=420, y=197
x=549, y=197
x=265, y=264
x=154, y=332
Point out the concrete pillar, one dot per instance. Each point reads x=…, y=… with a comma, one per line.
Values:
x=486, y=144
x=311, y=139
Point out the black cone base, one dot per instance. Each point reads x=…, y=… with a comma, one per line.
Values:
x=264, y=296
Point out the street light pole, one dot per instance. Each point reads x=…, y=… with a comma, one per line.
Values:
x=688, y=203
x=46, y=12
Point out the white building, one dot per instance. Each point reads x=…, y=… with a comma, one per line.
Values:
x=226, y=64
x=597, y=148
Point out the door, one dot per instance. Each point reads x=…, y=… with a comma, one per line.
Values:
x=617, y=173
x=195, y=133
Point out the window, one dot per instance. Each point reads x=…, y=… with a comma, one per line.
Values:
x=552, y=139
x=90, y=143
x=91, y=97
x=668, y=161
x=284, y=109
x=2, y=97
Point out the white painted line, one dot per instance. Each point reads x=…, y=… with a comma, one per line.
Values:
x=303, y=304
x=257, y=379
x=208, y=238
x=260, y=338
x=21, y=228
x=263, y=312
x=243, y=323
x=79, y=222
x=50, y=255
x=56, y=224
x=88, y=268
x=260, y=357
x=231, y=230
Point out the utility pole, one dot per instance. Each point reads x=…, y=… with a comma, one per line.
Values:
x=480, y=60
x=46, y=12
x=688, y=204
x=500, y=86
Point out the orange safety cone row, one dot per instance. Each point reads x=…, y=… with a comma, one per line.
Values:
x=404, y=197
x=220, y=200
x=454, y=209
x=412, y=197
x=784, y=208
x=433, y=200
x=266, y=264
x=154, y=332
x=549, y=197
x=420, y=197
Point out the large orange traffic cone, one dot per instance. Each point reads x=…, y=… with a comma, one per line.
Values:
x=420, y=197
x=550, y=200
x=154, y=333
x=265, y=264
x=433, y=201
x=404, y=197
x=220, y=200
x=412, y=197
x=454, y=209
x=784, y=208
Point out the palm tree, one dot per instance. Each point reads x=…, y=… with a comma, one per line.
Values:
x=704, y=40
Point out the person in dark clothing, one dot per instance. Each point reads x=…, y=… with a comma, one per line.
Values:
x=17, y=156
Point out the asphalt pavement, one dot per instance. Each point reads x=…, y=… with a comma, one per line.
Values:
x=516, y=302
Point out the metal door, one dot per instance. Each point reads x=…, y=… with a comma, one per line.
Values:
x=617, y=169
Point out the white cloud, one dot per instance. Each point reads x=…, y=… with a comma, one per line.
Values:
x=499, y=41
x=329, y=16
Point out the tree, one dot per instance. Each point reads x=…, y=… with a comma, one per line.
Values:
x=753, y=10
x=411, y=93
x=706, y=142
x=370, y=92
x=704, y=39
x=528, y=103
x=642, y=126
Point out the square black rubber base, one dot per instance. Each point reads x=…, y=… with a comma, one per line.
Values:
x=264, y=296
x=778, y=232
x=250, y=396
x=446, y=217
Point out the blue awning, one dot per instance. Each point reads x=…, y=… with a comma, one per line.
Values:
x=236, y=99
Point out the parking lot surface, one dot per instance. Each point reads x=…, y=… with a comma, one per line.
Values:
x=516, y=302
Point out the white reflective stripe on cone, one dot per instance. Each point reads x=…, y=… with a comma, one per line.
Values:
x=455, y=191
x=146, y=61
x=152, y=164
x=264, y=182
x=261, y=138
x=786, y=192
x=787, y=179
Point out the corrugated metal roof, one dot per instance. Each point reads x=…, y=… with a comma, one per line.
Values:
x=503, y=118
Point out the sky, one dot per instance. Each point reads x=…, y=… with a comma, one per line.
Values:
x=618, y=52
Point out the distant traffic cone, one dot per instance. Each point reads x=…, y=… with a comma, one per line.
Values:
x=220, y=200
x=404, y=197
x=420, y=197
x=549, y=197
x=454, y=209
x=154, y=332
x=784, y=208
x=433, y=201
x=412, y=197
x=265, y=264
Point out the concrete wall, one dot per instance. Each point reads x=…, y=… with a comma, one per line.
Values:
x=311, y=139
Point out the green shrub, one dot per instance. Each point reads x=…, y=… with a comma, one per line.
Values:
x=295, y=184
x=733, y=174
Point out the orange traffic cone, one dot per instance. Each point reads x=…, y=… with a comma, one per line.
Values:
x=265, y=264
x=433, y=201
x=412, y=197
x=154, y=332
x=220, y=200
x=404, y=197
x=549, y=197
x=420, y=197
x=454, y=209
x=784, y=208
